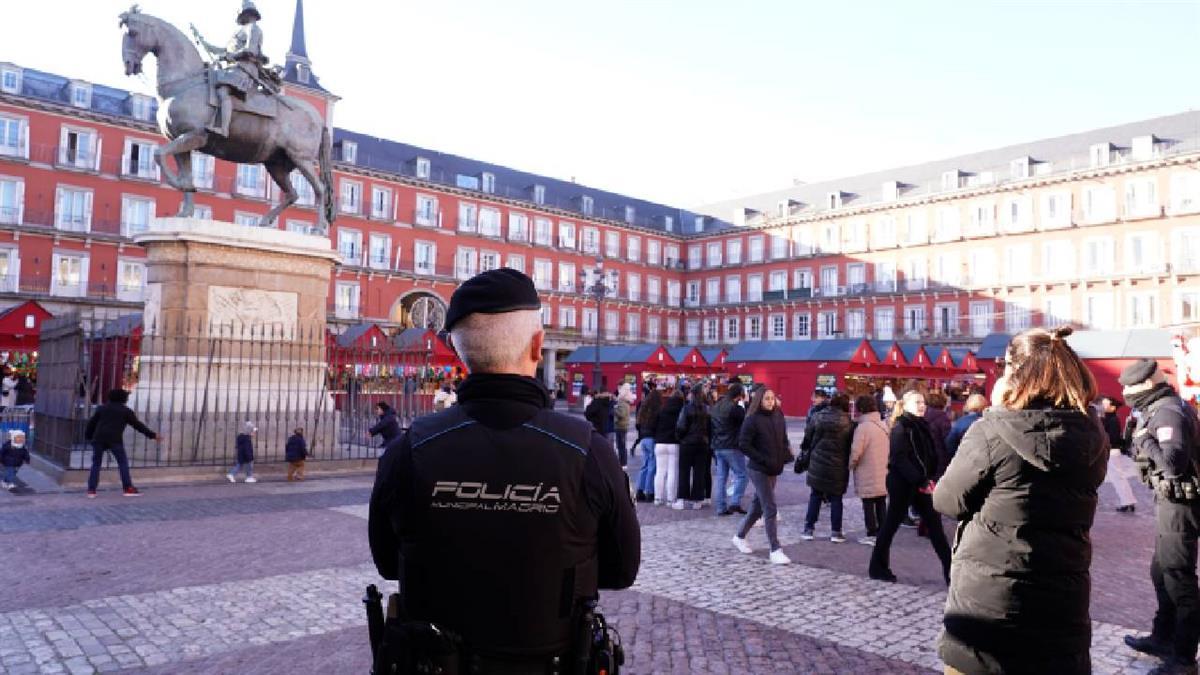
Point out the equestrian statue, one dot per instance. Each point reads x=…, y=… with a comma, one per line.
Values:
x=231, y=108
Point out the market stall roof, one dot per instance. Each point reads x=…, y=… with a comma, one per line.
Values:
x=866, y=354
x=795, y=350
x=649, y=354
x=957, y=358
x=23, y=320
x=421, y=340
x=688, y=357
x=123, y=326
x=360, y=335
x=1137, y=343
x=915, y=354
x=715, y=357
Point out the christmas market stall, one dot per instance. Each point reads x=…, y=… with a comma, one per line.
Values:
x=635, y=364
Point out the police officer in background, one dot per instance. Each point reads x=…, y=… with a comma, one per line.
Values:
x=499, y=517
x=1163, y=443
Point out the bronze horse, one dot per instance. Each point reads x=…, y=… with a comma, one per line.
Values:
x=296, y=138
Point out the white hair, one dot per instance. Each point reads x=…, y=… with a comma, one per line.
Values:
x=494, y=343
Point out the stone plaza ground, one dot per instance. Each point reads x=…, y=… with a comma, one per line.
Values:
x=266, y=578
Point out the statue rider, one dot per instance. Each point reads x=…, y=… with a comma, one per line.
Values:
x=247, y=67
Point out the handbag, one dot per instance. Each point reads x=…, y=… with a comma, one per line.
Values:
x=802, y=460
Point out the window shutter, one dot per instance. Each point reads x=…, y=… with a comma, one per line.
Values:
x=395, y=209
x=260, y=182
x=62, y=146
x=23, y=138
x=20, y=202
x=60, y=206
x=157, y=168
x=83, y=276
x=14, y=270
x=87, y=211
x=54, y=263
x=99, y=143
x=127, y=165
x=150, y=211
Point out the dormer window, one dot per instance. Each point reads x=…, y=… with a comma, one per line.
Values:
x=1019, y=168
x=10, y=79
x=587, y=206
x=423, y=168
x=1144, y=148
x=891, y=191
x=699, y=223
x=349, y=152
x=487, y=181
x=140, y=107
x=833, y=200
x=302, y=73
x=1100, y=154
x=951, y=180
x=631, y=213
x=81, y=94
x=668, y=221
x=539, y=194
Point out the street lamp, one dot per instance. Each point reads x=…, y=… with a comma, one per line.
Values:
x=598, y=289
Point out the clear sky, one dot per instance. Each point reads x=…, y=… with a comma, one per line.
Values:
x=696, y=101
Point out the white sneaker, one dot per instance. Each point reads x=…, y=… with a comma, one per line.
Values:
x=231, y=478
x=679, y=505
x=251, y=479
x=778, y=557
x=867, y=541
x=807, y=535
x=837, y=538
x=741, y=545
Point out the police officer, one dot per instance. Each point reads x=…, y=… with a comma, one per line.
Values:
x=1162, y=446
x=499, y=516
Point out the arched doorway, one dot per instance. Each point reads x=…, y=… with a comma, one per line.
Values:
x=419, y=310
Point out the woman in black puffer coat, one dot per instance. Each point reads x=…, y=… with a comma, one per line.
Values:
x=829, y=465
x=763, y=439
x=1023, y=487
x=912, y=468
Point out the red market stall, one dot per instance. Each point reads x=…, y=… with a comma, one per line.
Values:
x=689, y=360
x=635, y=364
x=20, y=330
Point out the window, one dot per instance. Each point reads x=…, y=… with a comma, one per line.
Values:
x=672, y=293
x=566, y=277
x=379, y=252
x=14, y=141
x=712, y=331
x=612, y=244
x=70, y=275
x=695, y=257
x=423, y=168
x=1017, y=214
x=947, y=226
x=777, y=281
x=1185, y=244
x=489, y=260
x=804, y=241
x=713, y=252
x=1141, y=199
x=856, y=236
x=885, y=276
x=633, y=248
x=833, y=200
x=350, y=247
x=12, y=201
x=885, y=323
x=381, y=203
x=945, y=320
x=131, y=281
x=79, y=149
x=81, y=95
x=777, y=327
x=204, y=167
x=590, y=323
x=756, y=249
x=801, y=326
x=884, y=232
x=427, y=211
x=1143, y=310
x=1098, y=311
x=983, y=219
x=634, y=285
x=589, y=240
x=856, y=278
x=204, y=212
x=1058, y=260
x=672, y=331
x=668, y=221
x=302, y=73
x=829, y=281
x=699, y=223
x=693, y=294
x=518, y=227
x=981, y=318
x=1056, y=310
x=73, y=209
x=349, y=152
x=712, y=291
x=1099, y=205
x=299, y=226
x=653, y=286
x=693, y=331
x=586, y=205
x=138, y=159
x=754, y=288
x=539, y=194
x=754, y=328
x=1187, y=305
x=951, y=180
x=779, y=245
x=566, y=317
x=1185, y=188
x=916, y=230
x=10, y=80
x=489, y=222
x=542, y=232
x=732, y=329
x=487, y=181
x=1018, y=264
x=468, y=217
x=653, y=324
x=1142, y=253
x=136, y=214
x=516, y=262
x=827, y=325
x=856, y=323
x=466, y=263
x=346, y=296
x=633, y=327
x=914, y=320
x=1055, y=210
x=1019, y=168
x=915, y=272
x=631, y=214
x=733, y=289
x=982, y=265
x=543, y=274
x=653, y=249
x=733, y=248
x=566, y=235
x=830, y=242
x=424, y=257
x=1017, y=315
x=1100, y=154
x=671, y=256
x=1097, y=257
x=252, y=182
x=890, y=191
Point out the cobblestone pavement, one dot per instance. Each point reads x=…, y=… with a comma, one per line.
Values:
x=266, y=578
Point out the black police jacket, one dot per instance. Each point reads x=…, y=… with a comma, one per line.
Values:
x=498, y=514
x=1168, y=432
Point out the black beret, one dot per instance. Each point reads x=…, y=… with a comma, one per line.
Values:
x=492, y=292
x=1137, y=372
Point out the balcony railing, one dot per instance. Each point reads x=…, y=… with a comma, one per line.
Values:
x=885, y=286
x=914, y=284
x=427, y=219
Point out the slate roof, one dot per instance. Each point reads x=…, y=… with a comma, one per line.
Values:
x=1179, y=133
x=836, y=350
x=351, y=335
x=45, y=86
x=1097, y=344
x=409, y=337
x=679, y=353
x=910, y=349
x=993, y=346
x=711, y=355
x=770, y=350
x=958, y=355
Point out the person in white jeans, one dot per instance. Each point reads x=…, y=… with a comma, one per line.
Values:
x=1120, y=466
x=666, y=475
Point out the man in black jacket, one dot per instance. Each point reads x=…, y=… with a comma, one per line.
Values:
x=727, y=417
x=500, y=517
x=1163, y=445
x=388, y=425
x=106, y=431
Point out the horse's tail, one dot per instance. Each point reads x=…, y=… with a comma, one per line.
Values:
x=325, y=166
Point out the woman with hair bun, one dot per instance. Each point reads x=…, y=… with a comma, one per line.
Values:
x=1023, y=488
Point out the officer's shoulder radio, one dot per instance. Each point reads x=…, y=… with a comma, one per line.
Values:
x=400, y=646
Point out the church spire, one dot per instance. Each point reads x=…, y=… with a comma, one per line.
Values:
x=297, y=69
x=299, y=48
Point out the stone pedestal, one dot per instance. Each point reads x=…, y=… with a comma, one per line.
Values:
x=233, y=331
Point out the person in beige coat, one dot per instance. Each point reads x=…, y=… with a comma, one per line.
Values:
x=868, y=462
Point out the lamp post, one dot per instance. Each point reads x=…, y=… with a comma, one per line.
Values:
x=598, y=289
